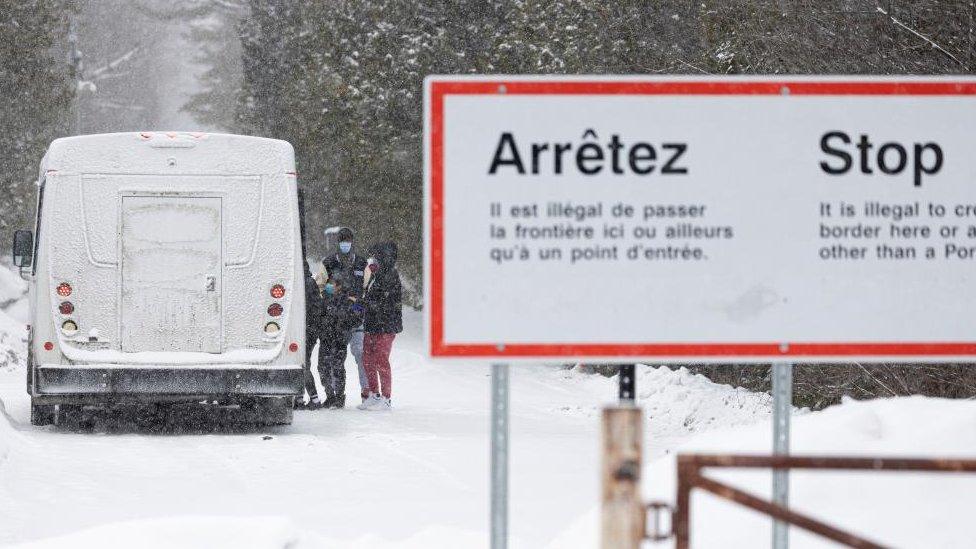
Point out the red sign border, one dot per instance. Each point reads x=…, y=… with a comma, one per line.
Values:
x=438, y=89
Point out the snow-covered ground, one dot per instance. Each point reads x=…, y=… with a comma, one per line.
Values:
x=919, y=510
x=418, y=477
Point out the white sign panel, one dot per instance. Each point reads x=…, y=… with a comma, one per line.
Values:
x=721, y=219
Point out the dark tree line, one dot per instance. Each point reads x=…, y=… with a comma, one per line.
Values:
x=342, y=79
x=36, y=89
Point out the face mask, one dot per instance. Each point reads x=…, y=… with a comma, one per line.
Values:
x=329, y=288
x=345, y=247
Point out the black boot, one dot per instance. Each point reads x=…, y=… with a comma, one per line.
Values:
x=329, y=402
x=339, y=402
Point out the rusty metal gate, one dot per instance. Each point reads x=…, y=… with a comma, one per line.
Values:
x=690, y=476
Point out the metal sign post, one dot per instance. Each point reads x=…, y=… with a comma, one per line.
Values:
x=499, y=456
x=782, y=410
x=628, y=384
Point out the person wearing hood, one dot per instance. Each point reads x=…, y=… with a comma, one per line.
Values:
x=314, y=310
x=343, y=313
x=384, y=320
x=347, y=265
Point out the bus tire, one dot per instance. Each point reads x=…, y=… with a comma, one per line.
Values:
x=42, y=414
x=68, y=415
x=268, y=410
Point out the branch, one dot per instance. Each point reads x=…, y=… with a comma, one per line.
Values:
x=920, y=35
x=183, y=9
x=100, y=71
x=118, y=106
x=233, y=6
x=689, y=65
x=876, y=380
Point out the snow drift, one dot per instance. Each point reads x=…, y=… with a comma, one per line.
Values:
x=417, y=478
x=923, y=510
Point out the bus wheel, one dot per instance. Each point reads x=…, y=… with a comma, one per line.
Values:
x=42, y=414
x=68, y=415
x=267, y=410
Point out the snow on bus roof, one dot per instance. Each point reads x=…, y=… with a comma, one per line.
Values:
x=120, y=152
x=127, y=137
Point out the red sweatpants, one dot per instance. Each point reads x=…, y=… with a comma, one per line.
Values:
x=376, y=362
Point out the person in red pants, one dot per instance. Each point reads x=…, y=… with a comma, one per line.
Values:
x=384, y=320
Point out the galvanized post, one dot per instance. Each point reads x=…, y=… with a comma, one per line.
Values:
x=499, y=456
x=628, y=384
x=782, y=410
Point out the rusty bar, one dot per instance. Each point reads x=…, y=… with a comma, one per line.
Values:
x=812, y=462
x=687, y=474
x=784, y=514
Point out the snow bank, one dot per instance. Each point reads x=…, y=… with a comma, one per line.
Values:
x=678, y=402
x=187, y=532
x=240, y=533
x=12, y=287
x=894, y=509
x=13, y=342
x=13, y=312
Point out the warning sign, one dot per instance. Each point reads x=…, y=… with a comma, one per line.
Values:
x=725, y=219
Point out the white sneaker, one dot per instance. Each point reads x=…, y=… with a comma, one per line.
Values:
x=381, y=403
x=369, y=402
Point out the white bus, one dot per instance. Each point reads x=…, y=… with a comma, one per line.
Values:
x=165, y=267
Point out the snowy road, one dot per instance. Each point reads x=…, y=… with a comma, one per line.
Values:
x=416, y=477
x=421, y=466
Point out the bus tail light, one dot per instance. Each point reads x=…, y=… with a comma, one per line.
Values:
x=48, y=346
x=272, y=328
x=293, y=347
x=69, y=327
x=64, y=289
x=277, y=291
x=275, y=309
x=66, y=308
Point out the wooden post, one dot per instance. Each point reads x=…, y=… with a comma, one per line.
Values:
x=623, y=509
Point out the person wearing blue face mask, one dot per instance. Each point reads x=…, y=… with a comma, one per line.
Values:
x=345, y=264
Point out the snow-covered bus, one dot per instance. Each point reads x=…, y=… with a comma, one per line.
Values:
x=165, y=267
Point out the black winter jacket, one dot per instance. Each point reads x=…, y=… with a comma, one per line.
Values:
x=314, y=308
x=342, y=315
x=383, y=294
x=350, y=268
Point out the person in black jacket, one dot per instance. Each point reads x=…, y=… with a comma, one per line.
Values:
x=343, y=313
x=384, y=320
x=314, y=309
x=349, y=265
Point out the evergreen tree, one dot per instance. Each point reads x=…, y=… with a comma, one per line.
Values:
x=37, y=90
x=342, y=79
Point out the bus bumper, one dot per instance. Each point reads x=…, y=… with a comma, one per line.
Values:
x=146, y=383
